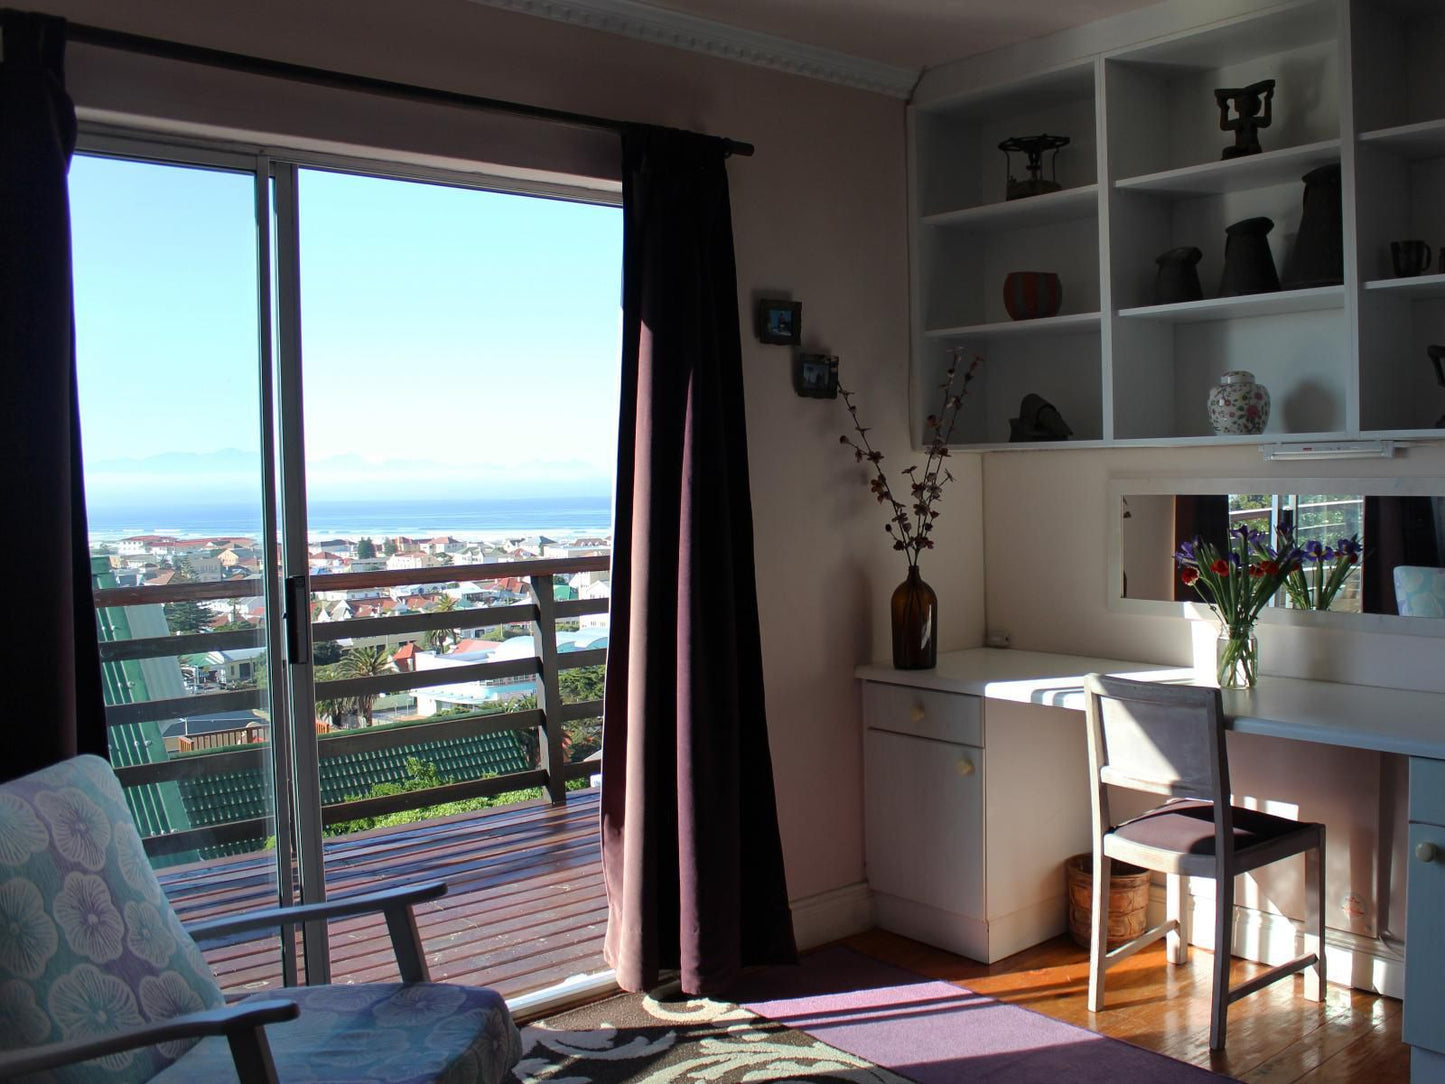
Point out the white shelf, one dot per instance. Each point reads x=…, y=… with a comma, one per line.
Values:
x=1411, y=286
x=1411, y=141
x=1081, y=202
x=1228, y=308
x=1236, y=174
x=1041, y=328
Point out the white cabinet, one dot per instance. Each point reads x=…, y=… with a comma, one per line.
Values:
x=1424, y=928
x=1357, y=84
x=970, y=812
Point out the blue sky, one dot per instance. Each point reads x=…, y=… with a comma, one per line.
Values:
x=456, y=343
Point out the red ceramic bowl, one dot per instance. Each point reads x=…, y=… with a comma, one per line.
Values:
x=1031, y=295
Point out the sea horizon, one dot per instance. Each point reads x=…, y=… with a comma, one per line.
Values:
x=466, y=520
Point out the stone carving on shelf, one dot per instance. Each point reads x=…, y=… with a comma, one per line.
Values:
x=1038, y=419
x=1248, y=262
x=1253, y=110
x=1034, y=147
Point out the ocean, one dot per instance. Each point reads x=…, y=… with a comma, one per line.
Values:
x=464, y=519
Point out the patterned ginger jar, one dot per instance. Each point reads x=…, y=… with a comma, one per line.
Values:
x=1238, y=406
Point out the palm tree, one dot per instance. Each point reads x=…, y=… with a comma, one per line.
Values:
x=365, y=662
x=436, y=639
x=333, y=709
x=530, y=739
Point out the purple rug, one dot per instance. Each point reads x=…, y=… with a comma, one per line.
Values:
x=937, y=1033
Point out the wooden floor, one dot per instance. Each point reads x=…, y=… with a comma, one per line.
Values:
x=525, y=906
x=1275, y=1036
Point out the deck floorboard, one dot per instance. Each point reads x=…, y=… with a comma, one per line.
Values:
x=525, y=905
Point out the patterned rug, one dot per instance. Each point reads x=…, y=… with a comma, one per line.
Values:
x=637, y=1037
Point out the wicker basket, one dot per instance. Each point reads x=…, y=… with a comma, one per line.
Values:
x=1128, y=900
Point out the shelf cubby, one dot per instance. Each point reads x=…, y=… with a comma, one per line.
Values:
x=1045, y=327
x=1282, y=302
x=1062, y=206
x=1236, y=174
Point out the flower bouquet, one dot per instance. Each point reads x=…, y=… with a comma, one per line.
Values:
x=1315, y=588
x=1236, y=582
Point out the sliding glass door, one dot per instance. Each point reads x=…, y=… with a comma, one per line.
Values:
x=349, y=442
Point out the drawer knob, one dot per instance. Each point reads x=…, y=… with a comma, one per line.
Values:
x=1427, y=852
x=916, y=713
x=965, y=767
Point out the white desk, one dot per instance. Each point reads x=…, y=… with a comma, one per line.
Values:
x=1351, y=716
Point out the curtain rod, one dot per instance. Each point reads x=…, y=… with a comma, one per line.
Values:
x=300, y=73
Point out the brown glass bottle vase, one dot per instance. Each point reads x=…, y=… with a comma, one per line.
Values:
x=915, y=624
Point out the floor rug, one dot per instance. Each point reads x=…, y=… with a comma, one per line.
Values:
x=936, y=1033
x=634, y=1038
x=840, y=1016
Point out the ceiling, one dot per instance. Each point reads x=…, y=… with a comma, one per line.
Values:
x=906, y=33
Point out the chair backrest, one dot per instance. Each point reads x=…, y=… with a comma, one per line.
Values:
x=1161, y=739
x=88, y=943
x=1419, y=591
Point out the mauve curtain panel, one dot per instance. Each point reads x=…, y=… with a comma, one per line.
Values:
x=57, y=710
x=690, y=846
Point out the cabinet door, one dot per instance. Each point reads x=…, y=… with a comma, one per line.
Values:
x=924, y=812
x=1425, y=966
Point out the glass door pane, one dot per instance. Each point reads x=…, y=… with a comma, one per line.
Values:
x=460, y=360
x=167, y=331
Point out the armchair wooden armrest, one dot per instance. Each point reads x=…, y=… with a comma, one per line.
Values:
x=394, y=903
x=241, y=1024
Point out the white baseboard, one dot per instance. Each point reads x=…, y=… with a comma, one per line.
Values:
x=1365, y=963
x=829, y=916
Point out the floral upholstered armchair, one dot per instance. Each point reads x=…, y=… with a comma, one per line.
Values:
x=99, y=981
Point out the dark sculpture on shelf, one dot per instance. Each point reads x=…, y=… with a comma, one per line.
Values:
x=1248, y=262
x=1318, y=256
x=1178, y=278
x=1034, y=147
x=1038, y=419
x=1247, y=121
x=1437, y=358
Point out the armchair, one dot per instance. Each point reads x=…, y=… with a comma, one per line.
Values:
x=99, y=981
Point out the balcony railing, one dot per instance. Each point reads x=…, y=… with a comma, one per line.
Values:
x=542, y=611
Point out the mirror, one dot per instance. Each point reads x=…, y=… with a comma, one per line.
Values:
x=1396, y=584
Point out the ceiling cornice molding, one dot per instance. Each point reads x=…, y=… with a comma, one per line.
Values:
x=646, y=22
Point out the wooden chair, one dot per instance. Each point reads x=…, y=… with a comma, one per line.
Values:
x=1169, y=740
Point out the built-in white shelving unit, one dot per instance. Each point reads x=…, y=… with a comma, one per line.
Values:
x=1358, y=85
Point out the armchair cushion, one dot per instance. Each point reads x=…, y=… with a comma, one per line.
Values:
x=88, y=943
x=394, y=1032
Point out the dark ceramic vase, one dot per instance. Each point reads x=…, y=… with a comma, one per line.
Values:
x=1248, y=263
x=915, y=624
x=1032, y=295
x=1178, y=278
x=1318, y=257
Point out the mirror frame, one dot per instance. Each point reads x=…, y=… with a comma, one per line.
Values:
x=1121, y=486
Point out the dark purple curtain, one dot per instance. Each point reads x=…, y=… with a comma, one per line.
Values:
x=60, y=712
x=690, y=845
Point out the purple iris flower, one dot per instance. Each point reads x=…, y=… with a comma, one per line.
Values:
x=1314, y=550
x=1186, y=555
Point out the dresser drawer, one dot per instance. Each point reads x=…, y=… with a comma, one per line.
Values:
x=926, y=713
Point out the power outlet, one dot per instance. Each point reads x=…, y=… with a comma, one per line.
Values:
x=996, y=639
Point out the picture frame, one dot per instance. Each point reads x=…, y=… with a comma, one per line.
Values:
x=780, y=322
x=815, y=376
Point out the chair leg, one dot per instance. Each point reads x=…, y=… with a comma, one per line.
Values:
x=1315, y=917
x=1099, y=937
x=1223, y=953
x=1176, y=909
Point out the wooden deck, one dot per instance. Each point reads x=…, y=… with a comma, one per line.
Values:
x=525, y=906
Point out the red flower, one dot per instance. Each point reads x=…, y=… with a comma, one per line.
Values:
x=1187, y=576
x=1271, y=568
x=1256, y=571
x=1219, y=567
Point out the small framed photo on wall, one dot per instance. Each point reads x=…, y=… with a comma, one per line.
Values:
x=780, y=322
x=815, y=376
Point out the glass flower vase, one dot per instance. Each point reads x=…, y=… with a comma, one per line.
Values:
x=915, y=624
x=1236, y=657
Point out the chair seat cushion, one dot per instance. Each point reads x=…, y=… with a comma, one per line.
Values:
x=1186, y=826
x=394, y=1032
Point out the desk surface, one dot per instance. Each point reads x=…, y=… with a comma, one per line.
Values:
x=1355, y=716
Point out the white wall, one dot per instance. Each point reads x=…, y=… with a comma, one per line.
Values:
x=819, y=215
